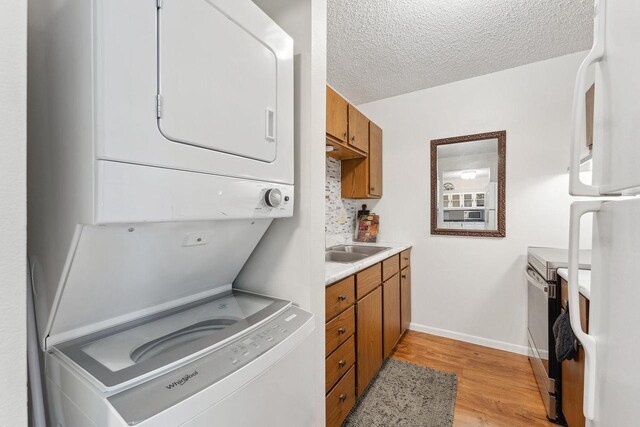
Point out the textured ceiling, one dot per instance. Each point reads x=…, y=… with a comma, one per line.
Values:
x=382, y=48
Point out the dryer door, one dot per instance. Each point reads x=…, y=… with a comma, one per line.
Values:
x=217, y=81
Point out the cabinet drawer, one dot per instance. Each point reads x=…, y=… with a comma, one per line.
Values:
x=405, y=259
x=368, y=280
x=339, y=362
x=390, y=266
x=339, y=330
x=341, y=399
x=339, y=297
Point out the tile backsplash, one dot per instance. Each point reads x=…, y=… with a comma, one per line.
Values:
x=340, y=214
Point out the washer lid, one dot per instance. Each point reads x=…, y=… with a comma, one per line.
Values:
x=128, y=354
x=118, y=273
x=218, y=76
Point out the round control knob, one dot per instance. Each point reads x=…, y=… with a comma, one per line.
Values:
x=273, y=197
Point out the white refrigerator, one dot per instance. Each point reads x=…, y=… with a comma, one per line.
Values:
x=612, y=346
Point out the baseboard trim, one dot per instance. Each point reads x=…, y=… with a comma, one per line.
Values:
x=485, y=342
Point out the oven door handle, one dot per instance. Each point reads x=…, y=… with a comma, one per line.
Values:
x=544, y=287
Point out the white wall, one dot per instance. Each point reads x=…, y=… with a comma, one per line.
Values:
x=289, y=261
x=473, y=288
x=13, y=144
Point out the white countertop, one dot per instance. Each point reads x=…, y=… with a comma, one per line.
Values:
x=584, y=280
x=334, y=271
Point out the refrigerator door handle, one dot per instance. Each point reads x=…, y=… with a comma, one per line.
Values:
x=578, y=135
x=578, y=209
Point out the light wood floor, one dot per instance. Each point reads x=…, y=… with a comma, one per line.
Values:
x=495, y=388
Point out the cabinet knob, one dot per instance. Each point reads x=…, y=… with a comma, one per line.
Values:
x=343, y=397
x=373, y=188
x=341, y=330
x=342, y=362
x=344, y=134
x=404, y=276
x=353, y=138
x=342, y=297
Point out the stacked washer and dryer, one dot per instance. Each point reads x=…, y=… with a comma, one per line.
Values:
x=160, y=151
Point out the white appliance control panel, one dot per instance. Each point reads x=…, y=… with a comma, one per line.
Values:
x=130, y=193
x=148, y=399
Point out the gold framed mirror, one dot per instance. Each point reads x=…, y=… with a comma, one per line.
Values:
x=468, y=185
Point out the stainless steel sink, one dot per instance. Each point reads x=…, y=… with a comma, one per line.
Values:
x=358, y=249
x=351, y=253
x=345, y=257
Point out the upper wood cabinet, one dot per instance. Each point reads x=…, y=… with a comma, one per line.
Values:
x=375, y=160
x=358, y=130
x=340, y=129
x=362, y=178
x=337, y=116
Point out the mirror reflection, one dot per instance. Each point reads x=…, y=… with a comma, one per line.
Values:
x=467, y=186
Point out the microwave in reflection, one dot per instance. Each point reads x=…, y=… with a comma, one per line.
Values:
x=476, y=215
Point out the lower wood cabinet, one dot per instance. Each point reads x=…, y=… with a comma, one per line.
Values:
x=339, y=362
x=366, y=316
x=391, y=314
x=573, y=370
x=341, y=399
x=339, y=330
x=405, y=299
x=369, y=337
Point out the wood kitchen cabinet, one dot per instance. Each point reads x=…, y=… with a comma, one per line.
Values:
x=405, y=290
x=364, y=321
x=345, y=137
x=358, y=130
x=573, y=370
x=369, y=338
x=391, y=330
x=340, y=362
x=341, y=399
x=362, y=178
x=337, y=116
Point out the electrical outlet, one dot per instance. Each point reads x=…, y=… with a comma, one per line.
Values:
x=342, y=218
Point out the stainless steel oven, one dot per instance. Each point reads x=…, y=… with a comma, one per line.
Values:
x=543, y=310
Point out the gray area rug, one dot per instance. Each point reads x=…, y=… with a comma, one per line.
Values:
x=404, y=394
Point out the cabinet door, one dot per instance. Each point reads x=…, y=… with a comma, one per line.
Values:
x=358, y=130
x=224, y=94
x=573, y=372
x=390, y=313
x=369, y=337
x=375, y=160
x=405, y=299
x=362, y=178
x=573, y=390
x=337, y=114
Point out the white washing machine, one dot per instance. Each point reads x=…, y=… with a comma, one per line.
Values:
x=226, y=360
